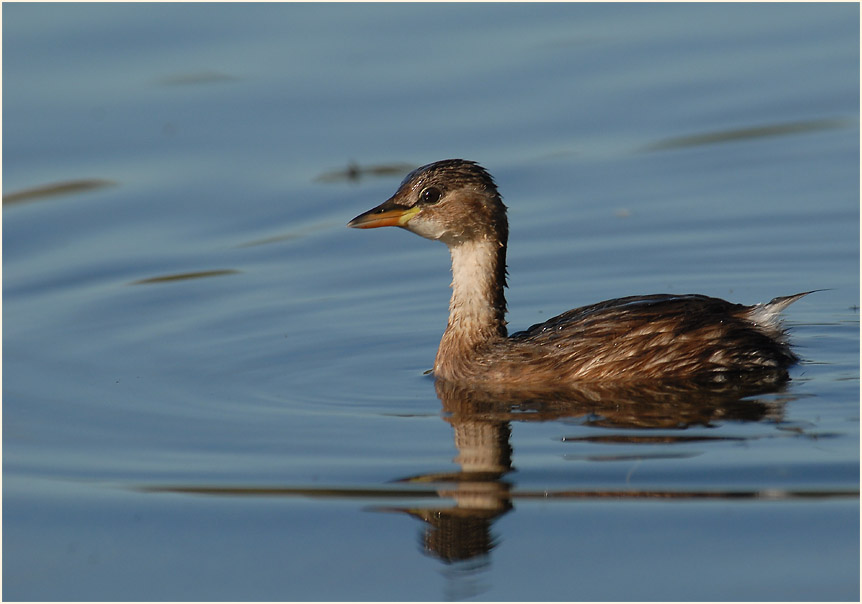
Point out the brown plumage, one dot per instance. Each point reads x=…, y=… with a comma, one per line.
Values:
x=659, y=336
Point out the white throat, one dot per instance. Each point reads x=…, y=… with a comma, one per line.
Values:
x=474, y=268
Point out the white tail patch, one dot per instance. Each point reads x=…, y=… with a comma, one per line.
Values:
x=768, y=315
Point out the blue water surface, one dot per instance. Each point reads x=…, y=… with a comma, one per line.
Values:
x=213, y=390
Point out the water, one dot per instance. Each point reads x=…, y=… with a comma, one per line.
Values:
x=213, y=390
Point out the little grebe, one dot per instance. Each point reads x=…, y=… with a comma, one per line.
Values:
x=660, y=336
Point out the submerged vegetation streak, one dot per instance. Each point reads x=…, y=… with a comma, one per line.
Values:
x=384, y=493
x=723, y=136
x=185, y=276
x=54, y=189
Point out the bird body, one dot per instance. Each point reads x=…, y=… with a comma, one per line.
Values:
x=662, y=336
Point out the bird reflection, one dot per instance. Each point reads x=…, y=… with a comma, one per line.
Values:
x=458, y=526
x=481, y=495
x=481, y=419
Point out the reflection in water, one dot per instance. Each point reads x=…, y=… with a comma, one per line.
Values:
x=481, y=496
x=635, y=405
x=461, y=535
x=464, y=578
x=482, y=420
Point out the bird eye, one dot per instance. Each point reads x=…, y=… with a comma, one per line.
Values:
x=430, y=195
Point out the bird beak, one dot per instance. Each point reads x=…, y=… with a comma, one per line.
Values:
x=386, y=214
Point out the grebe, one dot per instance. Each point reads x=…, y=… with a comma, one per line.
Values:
x=660, y=336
